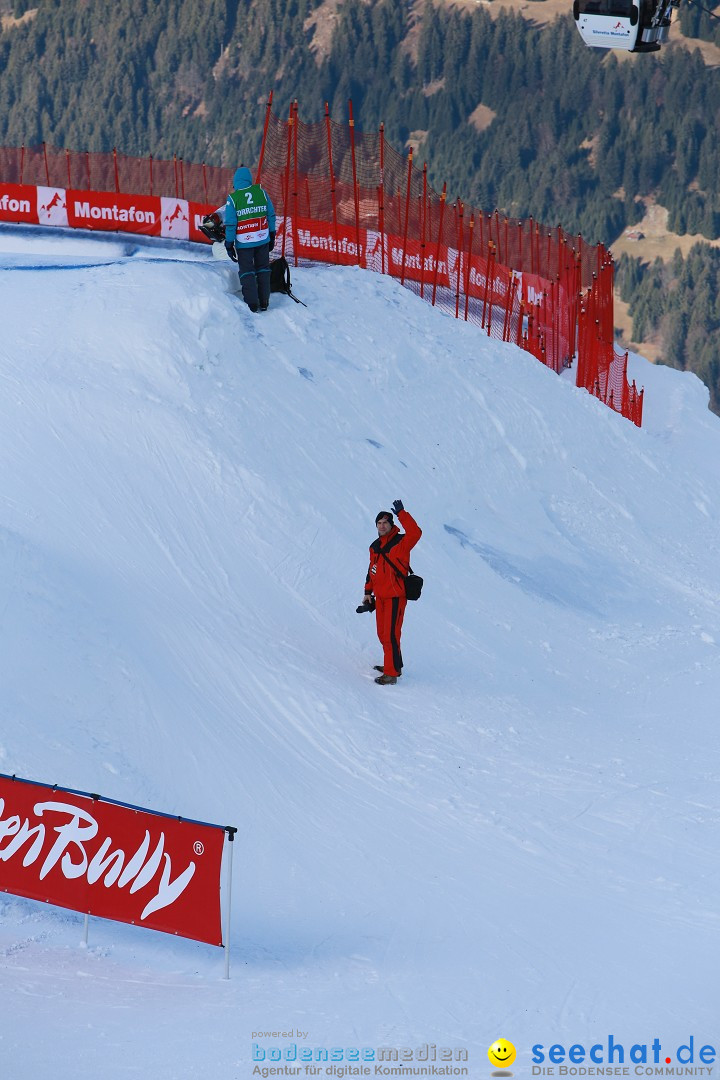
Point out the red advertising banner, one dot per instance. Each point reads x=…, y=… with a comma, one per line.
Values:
x=486, y=279
x=533, y=287
x=18, y=203
x=416, y=261
x=107, y=859
x=309, y=239
x=114, y=212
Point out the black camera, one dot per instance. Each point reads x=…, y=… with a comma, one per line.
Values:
x=368, y=604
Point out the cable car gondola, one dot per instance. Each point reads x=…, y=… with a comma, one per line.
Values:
x=631, y=25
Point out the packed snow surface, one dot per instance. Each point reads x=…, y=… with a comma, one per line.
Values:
x=521, y=838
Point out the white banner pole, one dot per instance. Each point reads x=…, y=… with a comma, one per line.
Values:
x=231, y=837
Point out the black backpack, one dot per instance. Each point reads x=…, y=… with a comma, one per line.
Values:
x=280, y=279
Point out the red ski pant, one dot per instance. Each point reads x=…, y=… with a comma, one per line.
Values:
x=389, y=619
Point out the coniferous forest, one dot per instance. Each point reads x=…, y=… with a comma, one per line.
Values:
x=680, y=301
x=571, y=135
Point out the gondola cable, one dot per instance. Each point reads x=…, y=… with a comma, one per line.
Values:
x=703, y=8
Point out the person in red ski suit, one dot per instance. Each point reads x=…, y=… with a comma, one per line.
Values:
x=385, y=585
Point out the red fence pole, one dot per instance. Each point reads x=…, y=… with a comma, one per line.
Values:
x=295, y=179
x=381, y=198
x=490, y=270
x=22, y=162
x=151, y=174
x=423, y=217
x=115, y=168
x=333, y=198
x=467, y=270
x=459, y=210
x=512, y=287
x=443, y=197
x=574, y=313
x=67, y=162
x=407, y=215
x=204, y=176
x=47, y=172
x=355, y=183
x=286, y=189
x=419, y=235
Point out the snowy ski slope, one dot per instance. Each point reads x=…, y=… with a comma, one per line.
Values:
x=522, y=837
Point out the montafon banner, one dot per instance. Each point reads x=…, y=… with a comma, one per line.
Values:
x=18, y=203
x=110, y=860
x=115, y=212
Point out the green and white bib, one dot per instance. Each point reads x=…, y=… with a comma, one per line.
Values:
x=251, y=206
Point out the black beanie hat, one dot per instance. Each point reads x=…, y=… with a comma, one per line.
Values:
x=385, y=514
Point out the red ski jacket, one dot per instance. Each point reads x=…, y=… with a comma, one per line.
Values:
x=381, y=579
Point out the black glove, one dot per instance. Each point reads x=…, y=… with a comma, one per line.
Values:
x=230, y=248
x=368, y=604
x=398, y=506
x=272, y=240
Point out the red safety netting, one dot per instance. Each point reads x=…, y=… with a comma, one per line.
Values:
x=114, y=171
x=602, y=370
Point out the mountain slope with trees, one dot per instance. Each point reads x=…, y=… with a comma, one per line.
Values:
x=578, y=137
x=679, y=304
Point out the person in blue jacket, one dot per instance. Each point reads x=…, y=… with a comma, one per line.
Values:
x=250, y=237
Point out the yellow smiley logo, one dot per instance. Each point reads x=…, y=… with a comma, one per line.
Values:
x=501, y=1053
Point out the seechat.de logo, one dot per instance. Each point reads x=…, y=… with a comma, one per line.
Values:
x=639, y=1059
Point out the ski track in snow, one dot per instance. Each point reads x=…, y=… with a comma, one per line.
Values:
x=521, y=837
